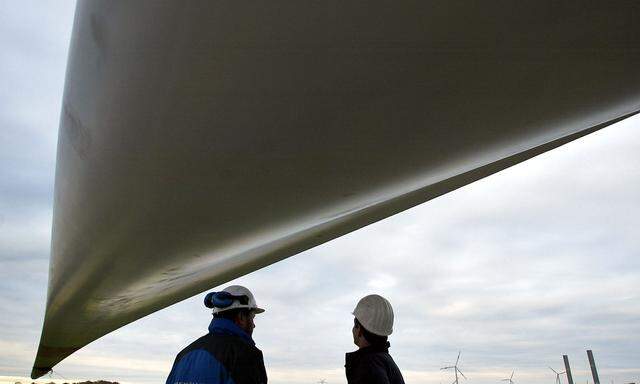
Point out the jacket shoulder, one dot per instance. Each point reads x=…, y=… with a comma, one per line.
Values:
x=242, y=362
x=379, y=368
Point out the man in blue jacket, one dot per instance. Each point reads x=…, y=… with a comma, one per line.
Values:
x=227, y=354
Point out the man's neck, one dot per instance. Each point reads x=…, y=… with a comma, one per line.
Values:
x=363, y=343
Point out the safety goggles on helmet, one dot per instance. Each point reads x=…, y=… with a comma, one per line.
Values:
x=224, y=299
x=230, y=298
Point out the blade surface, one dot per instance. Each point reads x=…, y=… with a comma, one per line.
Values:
x=201, y=141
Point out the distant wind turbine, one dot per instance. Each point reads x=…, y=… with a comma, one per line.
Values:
x=510, y=379
x=557, y=375
x=456, y=370
x=322, y=381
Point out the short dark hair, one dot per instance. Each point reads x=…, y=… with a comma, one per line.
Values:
x=372, y=338
x=231, y=314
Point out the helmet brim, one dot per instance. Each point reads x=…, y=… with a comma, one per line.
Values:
x=255, y=310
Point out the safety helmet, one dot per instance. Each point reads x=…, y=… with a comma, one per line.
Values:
x=232, y=297
x=375, y=314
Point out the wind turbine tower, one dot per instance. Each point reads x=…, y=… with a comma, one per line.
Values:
x=456, y=370
x=557, y=375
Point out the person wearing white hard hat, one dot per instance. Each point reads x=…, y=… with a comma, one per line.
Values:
x=227, y=354
x=372, y=325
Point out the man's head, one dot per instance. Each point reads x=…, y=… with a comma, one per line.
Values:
x=373, y=321
x=242, y=317
x=363, y=338
x=235, y=303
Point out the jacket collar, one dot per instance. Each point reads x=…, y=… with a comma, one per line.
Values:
x=352, y=356
x=228, y=327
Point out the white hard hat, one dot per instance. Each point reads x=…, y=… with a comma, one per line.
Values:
x=375, y=314
x=240, y=297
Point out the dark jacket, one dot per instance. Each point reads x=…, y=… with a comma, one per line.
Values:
x=372, y=365
x=226, y=355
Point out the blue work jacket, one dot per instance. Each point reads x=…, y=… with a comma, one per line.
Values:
x=226, y=355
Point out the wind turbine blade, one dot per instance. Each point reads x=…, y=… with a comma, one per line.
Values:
x=456, y=364
x=158, y=254
x=554, y=371
x=512, y=372
x=460, y=372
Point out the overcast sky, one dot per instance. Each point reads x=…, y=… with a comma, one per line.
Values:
x=540, y=260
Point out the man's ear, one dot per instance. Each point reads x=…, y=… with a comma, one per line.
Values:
x=239, y=318
x=243, y=316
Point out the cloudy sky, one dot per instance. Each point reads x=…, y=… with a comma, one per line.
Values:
x=540, y=260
